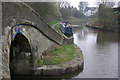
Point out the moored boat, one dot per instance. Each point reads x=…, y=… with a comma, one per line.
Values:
x=66, y=28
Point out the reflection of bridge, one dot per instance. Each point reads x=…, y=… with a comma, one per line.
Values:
x=22, y=26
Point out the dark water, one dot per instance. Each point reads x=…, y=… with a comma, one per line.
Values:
x=100, y=51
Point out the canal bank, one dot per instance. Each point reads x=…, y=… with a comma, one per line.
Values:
x=58, y=70
x=74, y=64
x=63, y=68
x=102, y=29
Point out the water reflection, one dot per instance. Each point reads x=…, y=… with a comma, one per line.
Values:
x=108, y=37
x=100, y=50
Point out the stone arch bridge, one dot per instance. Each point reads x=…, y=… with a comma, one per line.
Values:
x=21, y=21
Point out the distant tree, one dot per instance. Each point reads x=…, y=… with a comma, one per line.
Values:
x=107, y=3
x=66, y=10
x=66, y=13
x=82, y=6
x=73, y=10
x=63, y=4
x=79, y=14
x=106, y=17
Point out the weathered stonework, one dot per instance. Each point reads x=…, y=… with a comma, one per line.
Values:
x=39, y=34
x=20, y=12
x=0, y=41
x=61, y=69
x=41, y=37
x=39, y=43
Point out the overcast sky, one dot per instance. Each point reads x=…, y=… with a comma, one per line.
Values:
x=92, y=3
x=75, y=3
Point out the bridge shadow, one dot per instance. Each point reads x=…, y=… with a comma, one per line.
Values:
x=20, y=56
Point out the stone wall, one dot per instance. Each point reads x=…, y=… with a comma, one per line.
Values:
x=40, y=35
x=0, y=40
x=39, y=43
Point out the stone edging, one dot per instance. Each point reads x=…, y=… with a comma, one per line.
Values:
x=63, y=68
x=102, y=29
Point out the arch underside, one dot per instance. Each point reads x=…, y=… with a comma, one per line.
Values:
x=20, y=55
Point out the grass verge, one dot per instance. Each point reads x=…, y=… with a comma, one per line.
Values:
x=59, y=55
x=53, y=22
x=57, y=29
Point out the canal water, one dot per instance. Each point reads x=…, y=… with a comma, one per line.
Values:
x=100, y=51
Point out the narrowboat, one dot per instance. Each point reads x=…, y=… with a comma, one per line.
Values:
x=66, y=29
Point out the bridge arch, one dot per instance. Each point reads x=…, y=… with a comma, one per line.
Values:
x=21, y=42
x=17, y=29
x=37, y=40
x=20, y=55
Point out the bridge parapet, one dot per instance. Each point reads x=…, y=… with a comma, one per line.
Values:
x=20, y=11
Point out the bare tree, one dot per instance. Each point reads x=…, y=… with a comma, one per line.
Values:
x=107, y=3
x=83, y=6
x=64, y=4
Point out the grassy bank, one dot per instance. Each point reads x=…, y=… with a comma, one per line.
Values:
x=57, y=29
x=53, y=22
x=59, y=55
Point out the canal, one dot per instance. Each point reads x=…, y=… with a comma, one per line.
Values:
x=100, y=51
